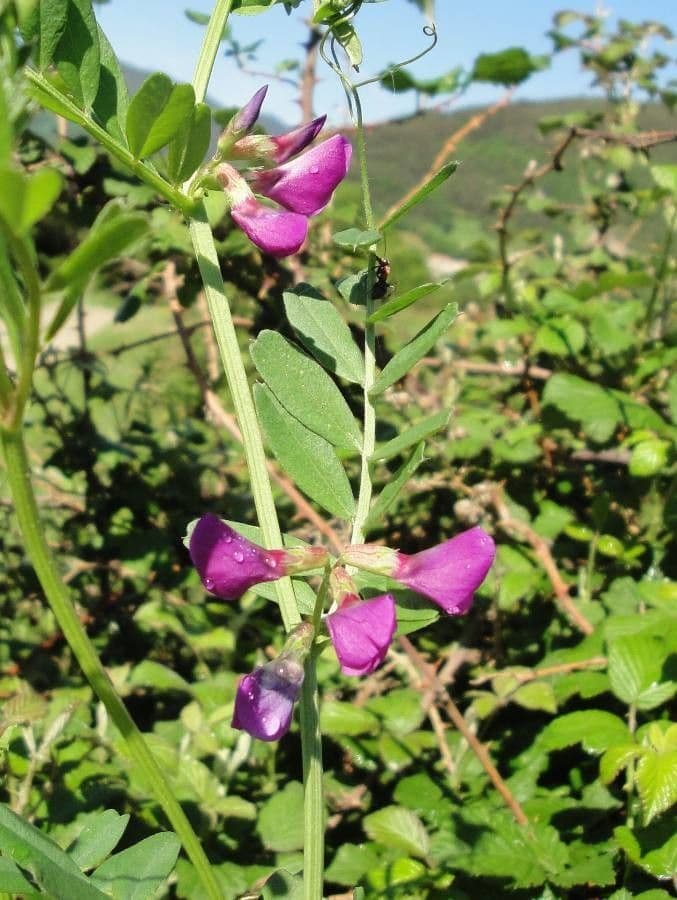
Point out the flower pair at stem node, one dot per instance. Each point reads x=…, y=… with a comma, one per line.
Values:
x=361, y=630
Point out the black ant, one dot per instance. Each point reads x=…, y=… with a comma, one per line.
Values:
x=381, y=286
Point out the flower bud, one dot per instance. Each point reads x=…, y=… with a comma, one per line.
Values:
x=242, y=122
x=264, y=702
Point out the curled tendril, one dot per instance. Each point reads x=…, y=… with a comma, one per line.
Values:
x=350, y=86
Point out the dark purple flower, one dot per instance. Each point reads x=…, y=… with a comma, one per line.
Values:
x=448, y=574
x=265, y=699
x=361, y=632
x=305, y=184
x=229, y=564
x=244, y=120
x=264, y=702
x=292, y=142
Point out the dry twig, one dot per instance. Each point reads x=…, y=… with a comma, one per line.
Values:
x=430, y=679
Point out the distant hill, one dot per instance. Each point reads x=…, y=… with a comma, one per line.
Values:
x=494, y=156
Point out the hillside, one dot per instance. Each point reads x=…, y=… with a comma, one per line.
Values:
x=496, y=155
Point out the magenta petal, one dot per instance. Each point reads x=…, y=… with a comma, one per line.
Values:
x=450, y=573
x=229, y=564
x=245, y=119
x=292, y=142
x=305, y=184
x=264, y=702
x=274, y=232
x=361, y=633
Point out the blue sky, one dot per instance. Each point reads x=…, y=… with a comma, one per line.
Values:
x=156, y=35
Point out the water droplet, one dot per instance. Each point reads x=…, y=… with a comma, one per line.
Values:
x=209, y=584
x=227, y=538
x=314, y=170
x=238, y=556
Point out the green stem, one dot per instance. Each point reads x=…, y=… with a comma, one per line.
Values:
x=369, y=443
x=231, y=357
x=18, y=476
x=210, y=47
x=21, y=251
x=313, y=798
x=143, y=171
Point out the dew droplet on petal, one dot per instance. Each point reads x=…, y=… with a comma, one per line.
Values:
x=314, y=170
x=209, y=584
x=238, y=556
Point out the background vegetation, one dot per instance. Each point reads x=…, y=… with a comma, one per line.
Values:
x=525, y=750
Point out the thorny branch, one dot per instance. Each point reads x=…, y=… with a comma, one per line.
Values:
x=431, y=681
x=641, y=141
x=542, y=552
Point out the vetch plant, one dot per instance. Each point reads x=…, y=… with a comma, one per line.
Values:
x=355, y=446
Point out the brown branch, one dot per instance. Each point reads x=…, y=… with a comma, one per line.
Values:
x=644, y=140
x=545, y=672
x=542, y=552
x=450, y=145
x=308, y=77
x=430, y=678
x=224, y=419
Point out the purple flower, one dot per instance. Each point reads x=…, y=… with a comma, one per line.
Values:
x=301, y=186
x=305, y=184
x=361, y=632
x=229, y=564
x=244, y=120
x=273, y=231
x=448, y=574
x=264, y=702
x=292, y=142
x=265, y=699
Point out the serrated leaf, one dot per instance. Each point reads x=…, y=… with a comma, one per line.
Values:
x=398, y=828
x=412, y=434
x=156, y=113
x=616, y=758
x=430, y=185
x=595, y=729
x=305, y=456
x=323, y=332
x=635, y=664
x=403, y=301
x=305, y=390
x=415, y=350
x=50, y=866
x=656, y=779
x=536, y=695
x=188, y=147
x=391, y=491
x=280, y=821
x=98, y=838
x=593, y=406
x=77, y=55
x=137, y=872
